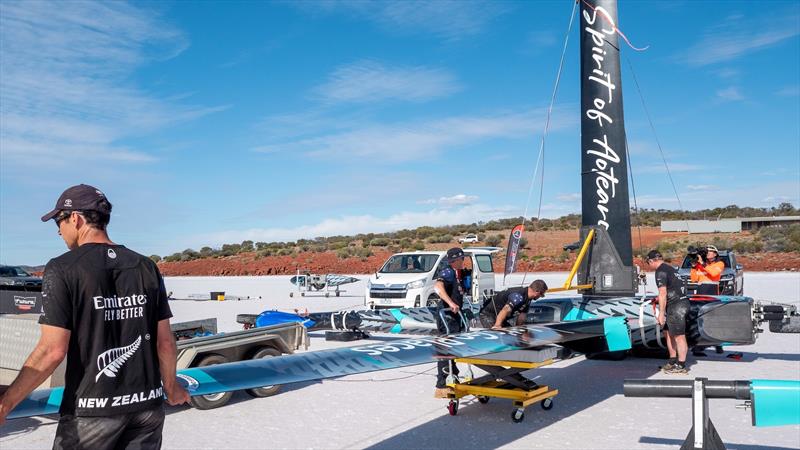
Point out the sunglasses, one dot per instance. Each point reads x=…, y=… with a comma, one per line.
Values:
x=62, y=216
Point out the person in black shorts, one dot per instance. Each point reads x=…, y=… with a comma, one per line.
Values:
x=673, y=307
x=450, y=288
x=106, y=310
x=498, y=311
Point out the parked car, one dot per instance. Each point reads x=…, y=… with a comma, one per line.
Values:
x=406, y=279
x=17, y=276
x=731, y=281
x=469, y=239
x=572, y=247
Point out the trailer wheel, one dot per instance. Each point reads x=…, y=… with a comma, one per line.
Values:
x=547, y=404
x=452, y=407
x=265, y=391
x=212, y=400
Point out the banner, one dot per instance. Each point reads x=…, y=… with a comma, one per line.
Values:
x=513, y=249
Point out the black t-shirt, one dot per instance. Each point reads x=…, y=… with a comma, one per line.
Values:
x=516, y=298
x=667, y=276
x=111, y=299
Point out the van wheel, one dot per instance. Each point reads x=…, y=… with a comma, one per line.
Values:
x=211, y=401
x=433, y=300
x=265, y=391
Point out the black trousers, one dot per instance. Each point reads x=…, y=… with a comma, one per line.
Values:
x=138, y=430
x=443, y=365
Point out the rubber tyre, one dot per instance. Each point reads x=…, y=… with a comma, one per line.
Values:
x=517, y=415
x=547, y=404
x=246, y=319
x=291, y=294
x=433, y=300
x=337, y=293
x=484, y=400
x=213, y=400
x=265, y=391
x=452, y=407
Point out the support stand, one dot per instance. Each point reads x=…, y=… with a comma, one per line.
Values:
x=703, y=435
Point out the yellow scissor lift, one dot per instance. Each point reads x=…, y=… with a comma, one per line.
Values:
x=504, y=378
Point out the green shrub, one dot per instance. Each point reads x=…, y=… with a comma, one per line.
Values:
x=155, y=258
x=380, y=242
x=494, y=240
x=419, y=245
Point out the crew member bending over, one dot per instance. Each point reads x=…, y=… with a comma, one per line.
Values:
x=498, y=312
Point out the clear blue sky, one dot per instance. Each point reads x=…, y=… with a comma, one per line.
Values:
x=214, y=122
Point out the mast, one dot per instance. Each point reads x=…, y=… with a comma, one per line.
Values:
x=604, y=159
x=604, y=163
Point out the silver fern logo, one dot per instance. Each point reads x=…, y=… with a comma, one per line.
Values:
x=110, y=361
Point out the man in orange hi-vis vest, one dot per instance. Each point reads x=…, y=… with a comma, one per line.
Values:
x=707, y=271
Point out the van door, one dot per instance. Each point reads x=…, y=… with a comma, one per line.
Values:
x=483, y=277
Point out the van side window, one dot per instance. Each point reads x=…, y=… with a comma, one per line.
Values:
x=484, y=263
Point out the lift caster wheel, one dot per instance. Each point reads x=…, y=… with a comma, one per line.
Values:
x=452, y=407
x=518, y=415
x=483, y=399
x=327, y=294
x=547, y=404
x=291, y=294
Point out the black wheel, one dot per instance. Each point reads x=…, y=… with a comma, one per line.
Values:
x=483, y=399
x=302, y=294
x=518, y=415
x=547, y=404
x=337, y=293
x=452, y=407
x=211, y=401
x=291, y=294
x=265, y=391
x=433, y=300
x=327, y=294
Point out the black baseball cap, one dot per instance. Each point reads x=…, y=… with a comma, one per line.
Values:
x=654, y=254
x=80, y=198
x=455, y=253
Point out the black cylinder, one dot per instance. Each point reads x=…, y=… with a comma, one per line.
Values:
x=737, y=389
x=772, y=309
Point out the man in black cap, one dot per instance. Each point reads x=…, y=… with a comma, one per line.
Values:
x=673, y=308
x=106, y=310
x=498, y=311
x=450, y=288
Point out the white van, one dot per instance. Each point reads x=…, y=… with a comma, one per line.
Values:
x=406, y=280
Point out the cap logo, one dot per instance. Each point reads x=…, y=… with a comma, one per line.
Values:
x=99, y=193
x=111, y=253
x=68, y=203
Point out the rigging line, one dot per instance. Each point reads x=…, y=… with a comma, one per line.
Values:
x=635, y=203
x=540, y=158
x=653, y=129
x=608, y=19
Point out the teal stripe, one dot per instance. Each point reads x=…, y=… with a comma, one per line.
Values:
x=617, y=334
x=55, y=398
x=775, y=402
x=578, y=314
x=398, y=316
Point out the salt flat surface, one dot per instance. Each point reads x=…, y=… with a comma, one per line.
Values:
x=395, y=409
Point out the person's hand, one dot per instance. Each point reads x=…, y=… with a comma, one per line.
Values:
x=497, y=327
x=177, y=395
x=455, y=308
x=661, y=320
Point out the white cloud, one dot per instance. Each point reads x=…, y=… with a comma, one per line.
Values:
x=789, y=91
x=370, y=81
x=571, y=197
x=447, y=19
x=64, y=81
x=701, y=187
x=738, y=35
x=731, y=93
x=351, y=225
x=458, y=199
x=420, y=140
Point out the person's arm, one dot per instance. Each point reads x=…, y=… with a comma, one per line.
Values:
x=442, y=293
x=501, y=316
x=167, y=360
x=714, y=270
x=662, y=305
x=43, y=360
